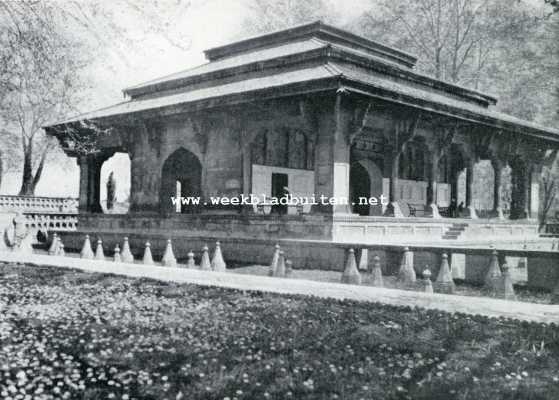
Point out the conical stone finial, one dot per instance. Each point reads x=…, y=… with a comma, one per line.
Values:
x=427, y=285
x=126, y=255
x=99, y=254
x=117, y=257
x=493, y=275
x=274, y=264
x=288, y=268
x=169, y=259
x=205, y=264
x=376, y=273
x=406, y=274
x=218, y=264
x=280, y=270
x=444, y=281
x=87, y=251
x=507, y=289
x=351, y=275
x=54, y=244
x=60, y=251
x=190, y=263
x=147, y=259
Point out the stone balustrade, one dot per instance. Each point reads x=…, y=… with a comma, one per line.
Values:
x=36, y=204
x=49, y=223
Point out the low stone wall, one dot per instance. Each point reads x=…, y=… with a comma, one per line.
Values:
x=307, y=255
x=314, y=227
x=306, y=240
x=374, y=229
x=502, y=231
x=543, y=272
x=419, y=230
x=470, y=265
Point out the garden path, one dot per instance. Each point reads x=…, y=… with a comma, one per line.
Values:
x=450, y=303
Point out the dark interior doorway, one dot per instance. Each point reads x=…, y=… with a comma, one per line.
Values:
x=360, y=185
x=181, y=175
x=279, y=190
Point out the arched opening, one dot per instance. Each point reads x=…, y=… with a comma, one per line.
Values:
x=115, y=184
x=360, y=185
x=365, y=181
x=181, y=178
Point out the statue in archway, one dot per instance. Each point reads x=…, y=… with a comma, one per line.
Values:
x=111, y=191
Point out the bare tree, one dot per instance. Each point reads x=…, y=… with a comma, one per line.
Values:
x=40, y=81
x=455, y=40
x=47, y=46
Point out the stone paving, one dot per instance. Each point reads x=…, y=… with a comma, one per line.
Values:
x=451, y=303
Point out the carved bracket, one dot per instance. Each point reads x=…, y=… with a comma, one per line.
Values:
x=440, y=142
x=358, y=122
x=200, y=128
x=405, y=130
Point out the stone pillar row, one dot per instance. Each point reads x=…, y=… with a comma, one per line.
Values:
x=496, y=276
x=124, y=255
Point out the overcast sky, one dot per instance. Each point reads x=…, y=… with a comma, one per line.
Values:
x=205, y=24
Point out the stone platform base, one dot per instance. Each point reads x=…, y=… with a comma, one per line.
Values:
x=305, y=254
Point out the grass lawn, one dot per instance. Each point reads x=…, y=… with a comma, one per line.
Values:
x=73, y=335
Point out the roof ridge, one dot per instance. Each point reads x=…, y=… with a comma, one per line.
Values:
x=308, y=29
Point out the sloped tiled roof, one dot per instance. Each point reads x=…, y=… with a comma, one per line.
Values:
x=238, y=60
x=251, y=66
x=242, y=86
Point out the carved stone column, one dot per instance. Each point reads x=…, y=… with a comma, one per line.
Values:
x=519, y=192
x=470, y=211
x=497, y=188
x=527, y=191
x=332, y=156
x=83, y=200
x=431, y=209
x=341, y=150
x=90, y=183
x=393, y=208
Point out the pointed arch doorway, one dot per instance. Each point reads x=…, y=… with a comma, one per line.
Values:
x=181, y=176
x=365, y=181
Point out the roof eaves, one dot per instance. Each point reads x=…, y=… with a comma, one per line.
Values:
x=496, y=118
